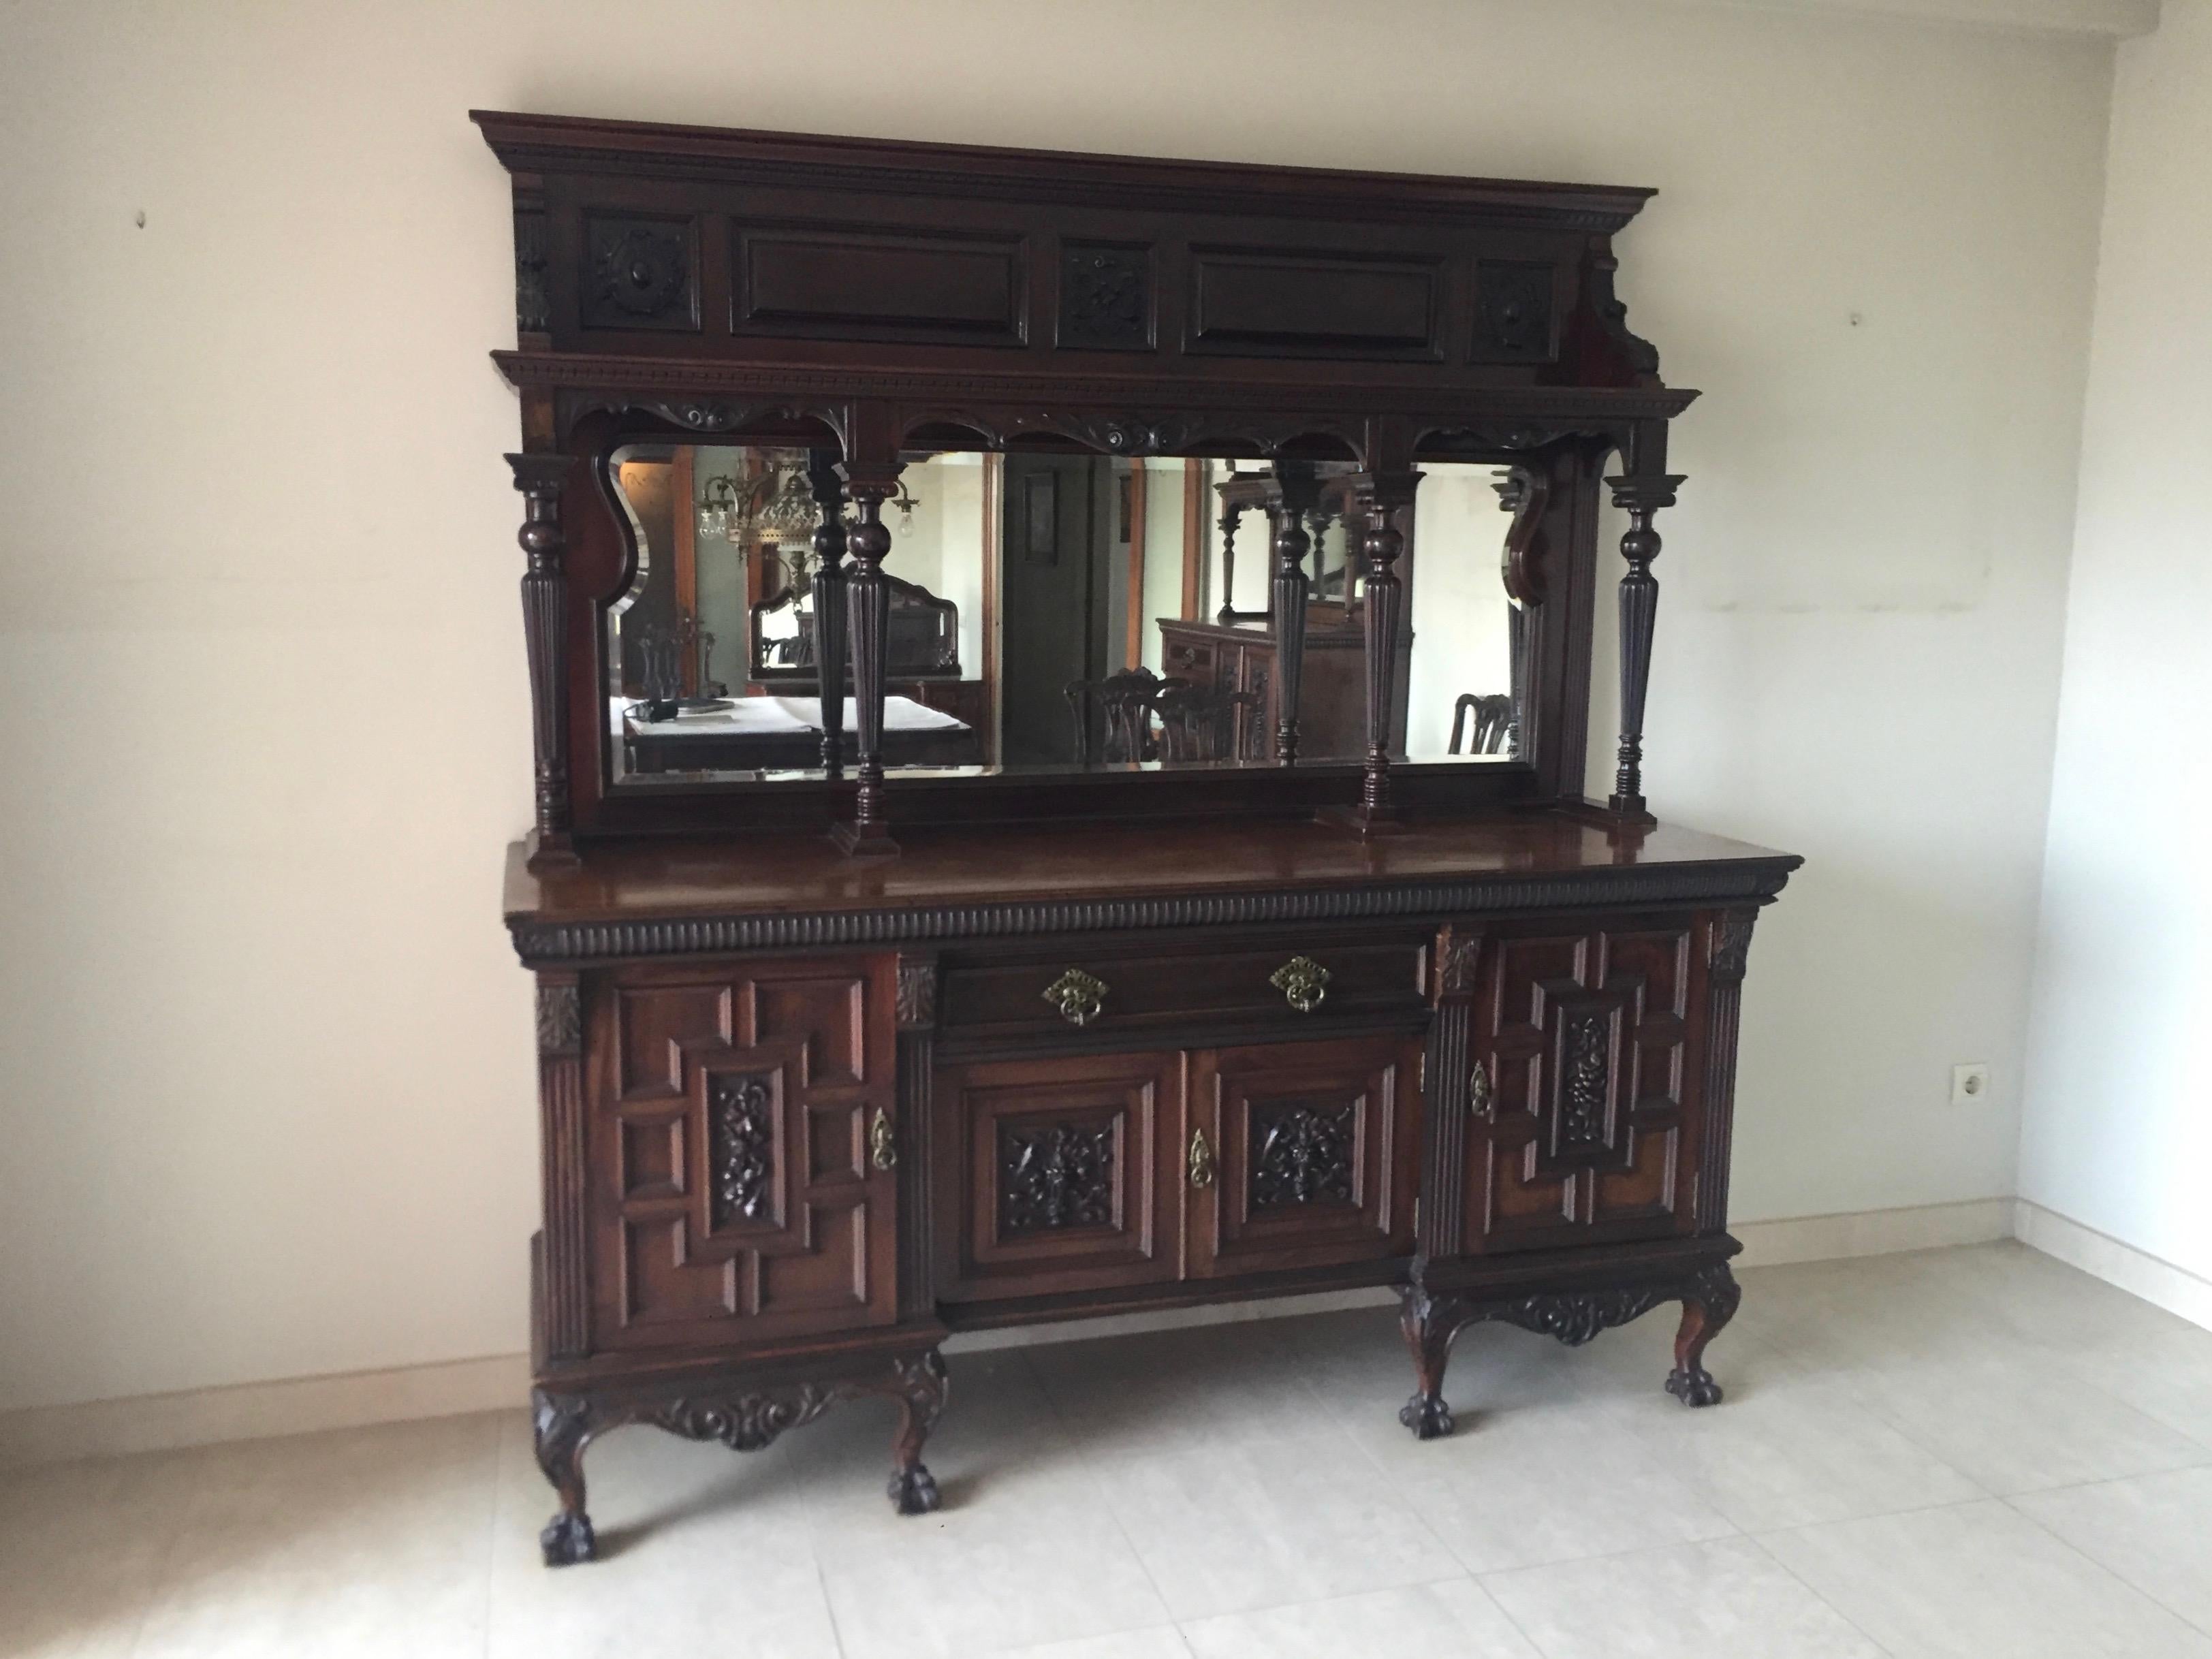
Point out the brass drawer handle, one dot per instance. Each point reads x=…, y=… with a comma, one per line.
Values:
x=1079, y=997
x=883, y=1146
x=1303, y=982
x=1478, y=1090
x=1201, y=1160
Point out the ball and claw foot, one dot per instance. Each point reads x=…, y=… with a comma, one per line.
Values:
x=1427, y=1416
x=568, y=1540
x=913, y=1491
x=1694, y=1387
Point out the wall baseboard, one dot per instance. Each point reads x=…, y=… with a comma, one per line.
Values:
x=260, y=1411
x=1873, y=1233
x=253, y=1411
x=2157, y=1281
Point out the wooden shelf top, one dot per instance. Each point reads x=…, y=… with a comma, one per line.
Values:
x=1045, y=867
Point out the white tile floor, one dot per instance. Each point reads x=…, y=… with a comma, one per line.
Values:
x=1974, y=1452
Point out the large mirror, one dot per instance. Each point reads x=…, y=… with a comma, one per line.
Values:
x=1048, y=612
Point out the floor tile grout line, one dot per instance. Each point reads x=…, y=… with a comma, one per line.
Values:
x=1758, y=1541
x=1090, y=1471
x=2113, y=1573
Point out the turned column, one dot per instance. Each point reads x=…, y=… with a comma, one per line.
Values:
x=867, y=608
x=830, y=604
x=1382, y=496
x=1229, y=515
x=1297, y=490
x=1640, y=495
x=545, y=637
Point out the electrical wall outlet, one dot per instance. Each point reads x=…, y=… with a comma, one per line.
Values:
x=1969, y=1084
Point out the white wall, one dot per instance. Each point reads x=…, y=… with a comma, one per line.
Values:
x=2118, y=1130
x=268, y=1079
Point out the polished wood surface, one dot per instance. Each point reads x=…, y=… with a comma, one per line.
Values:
x=1014, y=863
x=829, y=1067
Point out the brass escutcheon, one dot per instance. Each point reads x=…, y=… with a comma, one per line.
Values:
x=1478, y=1090
x=1201, y=1160
x=1077, y=995
x=1303, y=982
x=883, y=1146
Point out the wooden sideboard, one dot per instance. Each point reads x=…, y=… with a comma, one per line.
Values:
x=835, y=1064
x=802, y=1121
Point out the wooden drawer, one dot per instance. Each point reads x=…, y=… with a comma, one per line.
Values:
x=1107, y=991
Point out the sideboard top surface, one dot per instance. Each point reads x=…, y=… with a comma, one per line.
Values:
x=1041, y=864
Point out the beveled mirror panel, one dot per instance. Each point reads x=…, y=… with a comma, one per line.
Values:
x=1049, y=612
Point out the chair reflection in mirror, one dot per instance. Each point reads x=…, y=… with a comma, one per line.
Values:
x=1144, y=718
x=1492, y=716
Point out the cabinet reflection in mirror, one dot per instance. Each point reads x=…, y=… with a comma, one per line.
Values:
x=1048, y=612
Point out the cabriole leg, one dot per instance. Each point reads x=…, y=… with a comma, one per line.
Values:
x=920, y=1386
x=1430, y=1322
x=1709, y=1302
x=563, y=1428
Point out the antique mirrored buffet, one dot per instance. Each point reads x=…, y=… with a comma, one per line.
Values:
x=1060, y=690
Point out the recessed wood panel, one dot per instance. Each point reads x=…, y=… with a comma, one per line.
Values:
x=1582, y=1043
x=868, y=285
x=1308, y=1142
x=1063, y=1175
x=1289, y=303
x=730, y=1109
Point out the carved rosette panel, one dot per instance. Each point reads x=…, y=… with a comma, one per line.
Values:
x=534, y=313
x=560, y=1020
x=917, y=994
x=1303, y=1154
x=1105, y=297
x=1055, y=1177
x=1586, y=1082
x=741, y=1125
x=638, y=273
x=1513, y=312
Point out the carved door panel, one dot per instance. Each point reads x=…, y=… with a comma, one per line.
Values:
x=1301, y=1154
x=742, y=1144
x=1060, y=1175
x=1581, y=1094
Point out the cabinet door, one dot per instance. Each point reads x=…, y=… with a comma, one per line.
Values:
x=1060, y=1175
x=738, y=1191
x=1583, y=1109
x=1307, y=1156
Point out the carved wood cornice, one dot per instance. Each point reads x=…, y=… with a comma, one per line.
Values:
x=554, y=145
x=1751, y=881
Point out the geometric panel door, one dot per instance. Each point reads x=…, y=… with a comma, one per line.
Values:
x=1305, y=1142
x=1060, y=1174
x=1583, y=1112
x=744, y=1142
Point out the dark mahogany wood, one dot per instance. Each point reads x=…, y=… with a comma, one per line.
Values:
x=1143, y=1034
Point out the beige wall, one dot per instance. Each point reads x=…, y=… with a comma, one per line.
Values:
x=2118, y=1133
x=266, y=1057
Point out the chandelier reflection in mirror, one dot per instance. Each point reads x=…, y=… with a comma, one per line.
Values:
x=777, y=506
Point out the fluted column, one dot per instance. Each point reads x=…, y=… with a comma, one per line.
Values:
x=830, y=604
x=868, y=616
x=1382, y=496
x=1297, y=490
x=1640, y=495
x=540, y=477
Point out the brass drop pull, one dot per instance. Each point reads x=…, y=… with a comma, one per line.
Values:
x=883, y=1145
x=1303, y=982
x=1077, y=995
x=1201, y=1160
x=1478, y=1090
